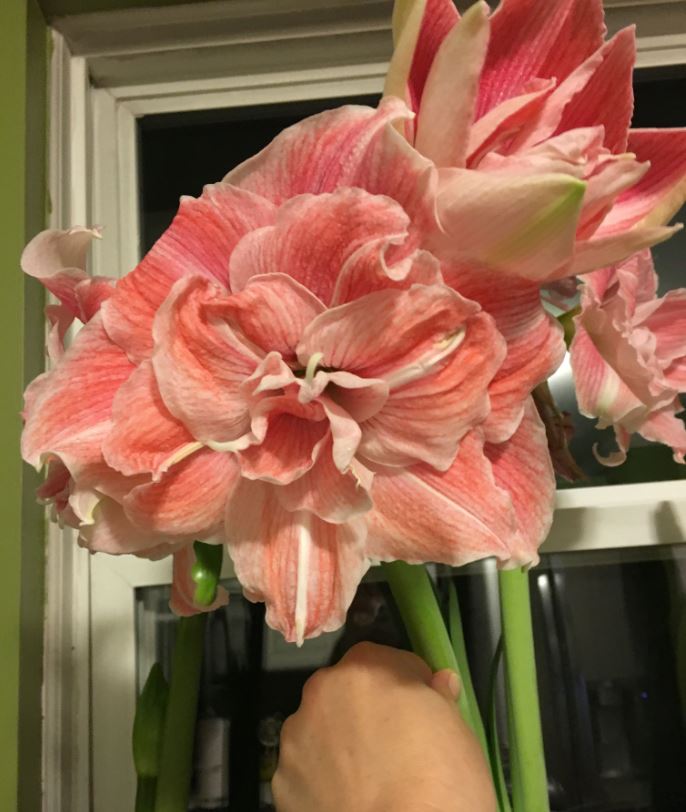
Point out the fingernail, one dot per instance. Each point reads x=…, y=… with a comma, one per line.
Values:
x=454, y=685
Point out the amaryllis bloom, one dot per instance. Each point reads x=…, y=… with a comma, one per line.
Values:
x=509, y=105
x=287, y=372
x=629, y=356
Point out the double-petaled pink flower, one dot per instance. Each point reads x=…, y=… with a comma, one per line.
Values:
x=328, y=358
x=629, y=355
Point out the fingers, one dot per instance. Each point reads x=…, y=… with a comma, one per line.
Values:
x=392, y=661
x=447, y=684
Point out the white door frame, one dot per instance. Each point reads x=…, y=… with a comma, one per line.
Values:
x=105, y=74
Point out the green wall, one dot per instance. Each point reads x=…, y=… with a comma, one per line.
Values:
x=22, y=169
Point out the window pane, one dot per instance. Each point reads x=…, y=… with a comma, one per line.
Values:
x=609, y=630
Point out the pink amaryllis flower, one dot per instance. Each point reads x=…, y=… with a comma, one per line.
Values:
x=517, y=98
x=285, y=348
x=629, y=356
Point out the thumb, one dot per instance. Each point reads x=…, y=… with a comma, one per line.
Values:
x=447, y=684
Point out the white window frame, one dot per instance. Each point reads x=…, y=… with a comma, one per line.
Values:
x=106, y=71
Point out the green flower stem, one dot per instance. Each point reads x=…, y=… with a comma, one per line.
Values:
x=416, y=600
x=460, y=650
x=493, y=739
x=145, y=794
x=529, y=781
x=173, y=783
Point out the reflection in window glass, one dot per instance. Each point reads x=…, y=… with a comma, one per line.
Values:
x=611, y=663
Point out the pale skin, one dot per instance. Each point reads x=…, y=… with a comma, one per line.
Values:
x=378, y=732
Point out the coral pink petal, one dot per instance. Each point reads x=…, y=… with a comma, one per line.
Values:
x=600, y=391
x=189, y=500
x=369, y=270
x=145, y=437
x=453, y=518
x=418, y=326
x=182, y=601
x=522, y=467
x=60, y=319
x=611, y=249
x=523, y=226
x=271, y=312
x=533, y=39
x=439, y=19
x=535, y=344
x=90, y=294
x=113, y=533
x=294, y=437
x=447, y=107
x=607, y=98
x=71, y=407
x=331, y=495
x=58, y=260
x=304, y=569
x=314, y=236
x=199, y=242
x=200, y=363
x=664, y=427
x=662, y=190
x=425, y=420
x=317, y=155
x=666, y=320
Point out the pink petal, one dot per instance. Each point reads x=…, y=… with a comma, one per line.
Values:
x=294, y=439
x=661, y=192
x=535, y=344
x=182, y=601
x=314, y=237
x=498, y=127
x=600, y=390
x=271, y=311
x=316, y=155
x=111, y=532
x=71, y=409
x=664, y=427
x=522, y=467
x=331, y=495
x=368, y=271
x=200, y=363
x=396, y=335
x=199, y=242
x=454, y=517
x=425, y=420
x=90, y=294
x=447, y=107
x=306, y=570
x=438, y=20
x=666, y=320
x=601, y=251
x=60, y=319
x=533, y=39
x=145, y=437
x=189, y=500
x=58, y=260
x=522, y=226
x=607, y=98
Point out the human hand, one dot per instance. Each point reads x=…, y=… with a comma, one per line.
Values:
x=378, y=732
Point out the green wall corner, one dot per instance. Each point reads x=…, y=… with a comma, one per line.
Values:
x=23, y=68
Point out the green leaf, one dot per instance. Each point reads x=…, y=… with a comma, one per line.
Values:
x=148, y=724
x=206, y=571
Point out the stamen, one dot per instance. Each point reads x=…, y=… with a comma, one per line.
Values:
x=312, y=365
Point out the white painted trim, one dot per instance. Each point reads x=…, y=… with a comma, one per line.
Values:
x=66, y=690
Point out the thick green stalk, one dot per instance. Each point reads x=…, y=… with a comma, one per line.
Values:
x=493, y=739
x=145, y=794
x=416, y=600
x=173, y=783
x=529, y=781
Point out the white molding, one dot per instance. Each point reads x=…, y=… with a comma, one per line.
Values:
x=66, y=690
